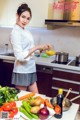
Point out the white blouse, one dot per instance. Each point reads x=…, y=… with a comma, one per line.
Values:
x=22, y=41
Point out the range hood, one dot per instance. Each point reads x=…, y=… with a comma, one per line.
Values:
x=65, y=16
x=52, y=22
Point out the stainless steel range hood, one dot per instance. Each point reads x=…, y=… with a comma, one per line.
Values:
x=63, y=17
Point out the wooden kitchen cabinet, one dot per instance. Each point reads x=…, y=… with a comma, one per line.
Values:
x=1, y=73
x=44, y=79
x=8, y=69
x=66, y=79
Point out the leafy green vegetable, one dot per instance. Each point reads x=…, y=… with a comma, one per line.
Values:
x=7, y=94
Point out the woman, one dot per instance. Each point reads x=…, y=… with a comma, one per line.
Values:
x=24, y=72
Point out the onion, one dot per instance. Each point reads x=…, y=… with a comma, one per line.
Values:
x=43, y=113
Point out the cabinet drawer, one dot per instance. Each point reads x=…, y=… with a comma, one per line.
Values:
x=44, y=69
x=66, y=85
x=44, y=82
x=44, y=79
x=72, y=95
x=66, y=75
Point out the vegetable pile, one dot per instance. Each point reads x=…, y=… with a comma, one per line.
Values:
x=26, y=110
x=31, y=107
x=7, y=94
x=27, y=96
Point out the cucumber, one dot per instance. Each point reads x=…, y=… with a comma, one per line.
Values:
x=27, y=107
x=21, y=109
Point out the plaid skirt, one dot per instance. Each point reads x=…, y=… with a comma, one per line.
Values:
x=23, y=79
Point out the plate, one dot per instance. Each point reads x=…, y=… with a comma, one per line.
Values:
x=25, y=117
x=51, y=111
x=19, y=103
x=17, y=116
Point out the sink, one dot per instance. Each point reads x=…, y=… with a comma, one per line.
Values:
x=8, y=54
x=73, y=63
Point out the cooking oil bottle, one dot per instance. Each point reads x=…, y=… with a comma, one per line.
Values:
x=58, y=107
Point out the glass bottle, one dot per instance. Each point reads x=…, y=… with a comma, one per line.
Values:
x=6, y=48
x=58, y=107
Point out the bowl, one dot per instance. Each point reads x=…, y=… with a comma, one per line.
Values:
x=44, y=55
x=50, y=52
x=66, y=106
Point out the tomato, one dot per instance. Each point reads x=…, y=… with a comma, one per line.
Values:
x=57, y=109
x=15, y=110
x=1, y=109
x=7, y=107
x=13, y=103
x=11, y=114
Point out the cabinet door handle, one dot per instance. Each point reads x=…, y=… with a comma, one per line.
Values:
x=47, y=69
x=44, y=68
x=56, y=88
x=66, y=70
x=8, y=61
x=65, y=80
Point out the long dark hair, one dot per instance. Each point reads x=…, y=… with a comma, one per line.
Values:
x=22, y=8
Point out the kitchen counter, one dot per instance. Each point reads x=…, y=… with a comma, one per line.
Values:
x=47, y=62
x=68, y=115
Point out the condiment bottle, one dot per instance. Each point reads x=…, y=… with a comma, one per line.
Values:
x=58, y=107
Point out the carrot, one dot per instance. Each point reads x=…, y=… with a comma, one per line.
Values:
x=48, y=104
x=42, y=100
x=27, y=96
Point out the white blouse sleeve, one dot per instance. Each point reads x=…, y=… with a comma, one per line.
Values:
x=19, y=53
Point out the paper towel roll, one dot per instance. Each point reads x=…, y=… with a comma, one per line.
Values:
x=58, y=9
x=50, y=9
x=75, y=10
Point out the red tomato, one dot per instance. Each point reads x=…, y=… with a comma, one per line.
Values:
x=11, y=114
x=1, y=109
x=15, y=110
x=57, y=109
x=13, y=103
x=7, y=107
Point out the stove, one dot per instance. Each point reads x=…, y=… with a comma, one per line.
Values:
x=64, y=63
x=70, y=62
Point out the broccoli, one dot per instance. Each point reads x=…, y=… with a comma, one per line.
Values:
x=7, y=94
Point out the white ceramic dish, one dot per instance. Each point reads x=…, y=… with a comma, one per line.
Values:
x=19, y=103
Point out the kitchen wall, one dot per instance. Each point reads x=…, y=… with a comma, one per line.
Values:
x=65, y=39
x=8, y=10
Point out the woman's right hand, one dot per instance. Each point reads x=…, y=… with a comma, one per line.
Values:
x=44, y=47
